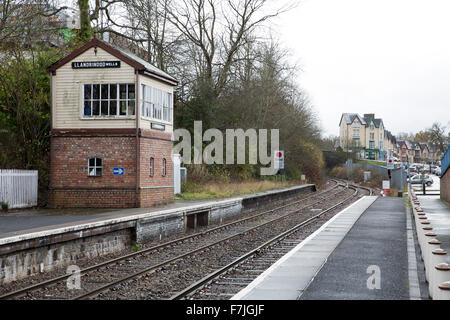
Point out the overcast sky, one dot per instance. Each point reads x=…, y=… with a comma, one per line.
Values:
x=391, y=58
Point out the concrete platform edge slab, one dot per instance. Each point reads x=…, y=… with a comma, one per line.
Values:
x=414, y=288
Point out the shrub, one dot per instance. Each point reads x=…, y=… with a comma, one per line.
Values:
x=4, y=206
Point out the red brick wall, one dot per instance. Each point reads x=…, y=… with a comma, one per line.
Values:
x=151, y=197
x=69, y=161
x=445, y=186
x=93, y=198
x=70, y=185
x=69, y=180
x=156, y=189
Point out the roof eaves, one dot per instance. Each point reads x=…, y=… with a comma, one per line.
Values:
x=94, y=42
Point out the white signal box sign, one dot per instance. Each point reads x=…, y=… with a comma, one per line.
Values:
x=279, y=159
x=390, y=163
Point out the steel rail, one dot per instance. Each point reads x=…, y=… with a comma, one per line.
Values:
x=251, y=253
x=154, y=268
x=42, y=284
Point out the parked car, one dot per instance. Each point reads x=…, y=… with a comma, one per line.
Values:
x=417, y=179
x=411, y=174
x=437, y=171
x=414, y=174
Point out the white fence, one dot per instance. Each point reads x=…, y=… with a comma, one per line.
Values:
x=19, y=188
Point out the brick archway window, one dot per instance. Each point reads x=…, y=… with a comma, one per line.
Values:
x=164, y=167
x=152, y=166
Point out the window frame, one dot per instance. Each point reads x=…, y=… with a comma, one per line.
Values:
x=95, y=167
x=108, y=99
x=160, y=100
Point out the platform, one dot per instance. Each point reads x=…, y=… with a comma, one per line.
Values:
x=337, y=261
x=34, y=242
x=438, y=213
x=48, y=221
x=36, y=220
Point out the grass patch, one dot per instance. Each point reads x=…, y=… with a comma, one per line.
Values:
x=377, y=163
x=214, y=190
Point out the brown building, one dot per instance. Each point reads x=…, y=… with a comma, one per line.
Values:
x=112, y=128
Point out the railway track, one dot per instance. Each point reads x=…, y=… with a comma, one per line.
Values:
x=230, y=279
x=106, y=280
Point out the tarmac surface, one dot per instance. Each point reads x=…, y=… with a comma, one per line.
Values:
x=375, y=247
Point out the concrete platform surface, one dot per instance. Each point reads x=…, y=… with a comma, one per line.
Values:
x=371, y=262
x=291, y=275
x=438, y=213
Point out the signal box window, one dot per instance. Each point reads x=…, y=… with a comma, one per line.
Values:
x=109, y=100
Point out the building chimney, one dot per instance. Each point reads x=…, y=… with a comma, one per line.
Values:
x=369, y=115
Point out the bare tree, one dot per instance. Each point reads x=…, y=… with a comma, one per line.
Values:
x=19, y=18
x=218, y=29
x=438, y=136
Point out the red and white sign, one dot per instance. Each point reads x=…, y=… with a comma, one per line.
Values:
x=390, y=163
x=279, y=159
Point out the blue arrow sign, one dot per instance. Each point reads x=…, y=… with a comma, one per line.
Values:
x=118, y=171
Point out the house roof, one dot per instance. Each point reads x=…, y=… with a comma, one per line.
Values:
x=423, y=145
x=432, y=148
x=350, y=117
x=411, y=144
x=378, y=122
x=137, y=63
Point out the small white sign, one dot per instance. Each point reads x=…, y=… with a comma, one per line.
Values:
x=386, y=185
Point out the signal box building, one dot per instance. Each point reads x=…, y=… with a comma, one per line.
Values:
x=111, y=130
